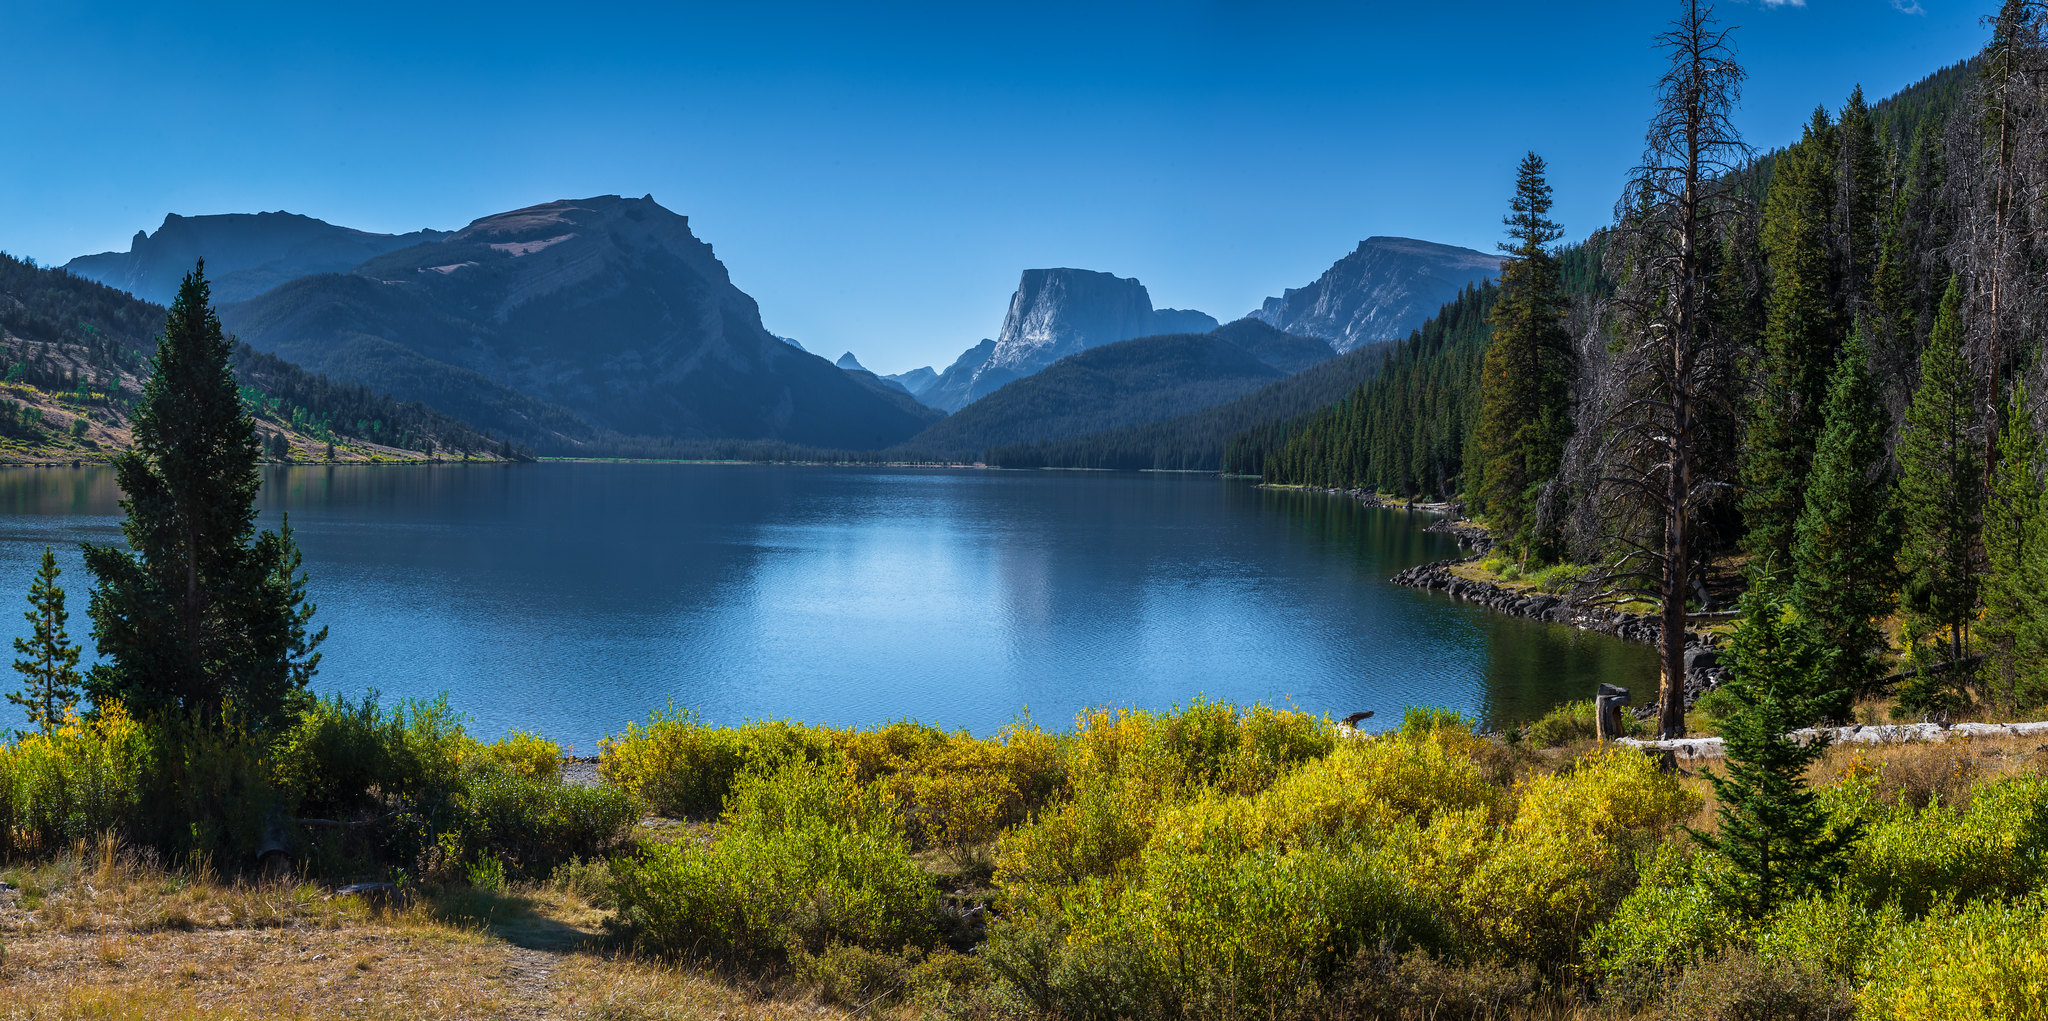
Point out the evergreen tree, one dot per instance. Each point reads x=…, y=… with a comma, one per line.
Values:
x=1859, y=201
x=1772, y=828
x=1526, y=377
x=49, y=669
x=1802, y=340
x=2013, y=558
x=1940, y=498
x=204, y=617
x=1846, y=542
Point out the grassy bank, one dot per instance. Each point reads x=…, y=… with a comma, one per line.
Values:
x=1209, y=862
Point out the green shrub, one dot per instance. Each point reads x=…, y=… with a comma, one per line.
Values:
x=85, y=778
x=803, y=857
x=1199, y=934
x=534, y=825
x=1566, y=724
x=1997, y=848
x=680, y=766
x=343, y=756
x=1421, y=720
x=1987, y=960
x=1671, y=919
x=1717, y=705
x=1560, y=579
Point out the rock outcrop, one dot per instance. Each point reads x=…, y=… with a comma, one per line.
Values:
x=1380, y=292
x=1055, y=313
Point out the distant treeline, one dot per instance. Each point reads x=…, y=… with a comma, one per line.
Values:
x=1408, y=428
x=1198, y=441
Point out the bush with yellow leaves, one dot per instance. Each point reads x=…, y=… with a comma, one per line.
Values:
x=82, y=779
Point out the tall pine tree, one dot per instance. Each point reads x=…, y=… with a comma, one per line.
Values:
x=1941, y=499
x=1802, y=339
x=2014, y=610
x=1773, y=830
x=1845, y=546
x=49, y=667
x=1526, y=378
x=204, y=617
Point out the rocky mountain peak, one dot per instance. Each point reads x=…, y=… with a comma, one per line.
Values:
x=1058, y=312
x=1381, y=291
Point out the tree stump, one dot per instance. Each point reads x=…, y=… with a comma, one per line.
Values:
x=1607, y=705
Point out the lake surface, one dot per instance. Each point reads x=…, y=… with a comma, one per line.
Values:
x=571, y=598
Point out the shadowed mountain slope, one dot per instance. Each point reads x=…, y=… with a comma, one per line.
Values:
x=1130, y=382
x=606, y=307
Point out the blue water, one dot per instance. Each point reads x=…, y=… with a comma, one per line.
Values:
x=571, y=598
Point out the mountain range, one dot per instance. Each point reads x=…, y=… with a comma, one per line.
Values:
x=1382, y=291
x=608, y=309
x=576, y=324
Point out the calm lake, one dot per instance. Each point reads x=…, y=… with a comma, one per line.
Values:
x=570, y=598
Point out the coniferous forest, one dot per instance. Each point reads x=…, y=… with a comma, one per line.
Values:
x=1820, y=363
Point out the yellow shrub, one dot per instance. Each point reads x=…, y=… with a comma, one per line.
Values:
x=1611, y=792
x=527, y=754
x=679, y=765
x=82, y=779
x=870, y=754
x=1095, y=833
x=1206, y=743
x=1988, y=960
x=959, y=798
x=1559, y=867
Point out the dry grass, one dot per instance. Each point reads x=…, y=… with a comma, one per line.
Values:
x=101, y=933
x=1913, y=773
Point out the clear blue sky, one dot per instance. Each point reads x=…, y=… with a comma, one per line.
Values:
x=878, y=174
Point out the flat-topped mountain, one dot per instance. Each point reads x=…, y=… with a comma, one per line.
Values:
x=1382, y=291
x=246, y=254
x=1055, y=313
x=1130, y=382
x=608, y=307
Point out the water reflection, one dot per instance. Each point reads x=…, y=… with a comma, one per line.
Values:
x=571, y=598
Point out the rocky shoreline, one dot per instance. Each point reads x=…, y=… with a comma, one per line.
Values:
x=1703, y=671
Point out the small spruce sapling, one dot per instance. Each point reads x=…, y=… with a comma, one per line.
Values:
x=49, y=667
x=1780, y=843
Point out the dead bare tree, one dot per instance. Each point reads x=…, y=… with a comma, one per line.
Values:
x=1657, y=474
x=2002, y=195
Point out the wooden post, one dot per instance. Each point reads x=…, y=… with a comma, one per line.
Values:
x=1607, y=705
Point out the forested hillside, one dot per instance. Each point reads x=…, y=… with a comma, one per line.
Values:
x=1820, y=364
x=1196, y=441
x=1117, y=386
x=76, y=351
x=1406, y=430
x=1409, y=437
